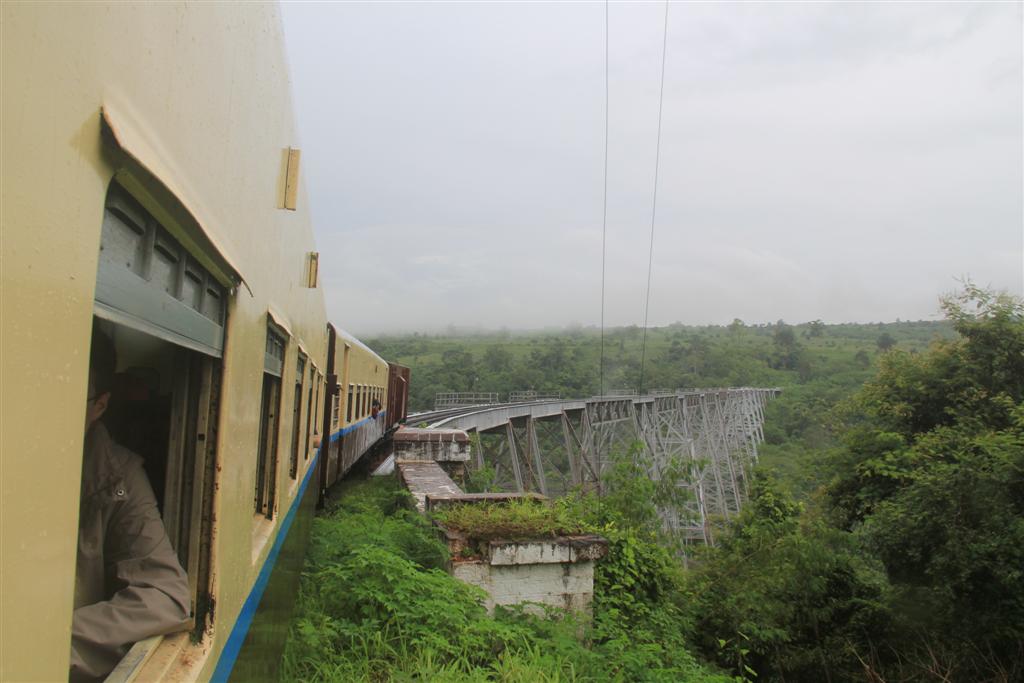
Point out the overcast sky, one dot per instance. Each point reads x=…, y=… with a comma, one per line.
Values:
x=846, y=162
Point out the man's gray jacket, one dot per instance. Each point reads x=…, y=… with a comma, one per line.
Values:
x=129, y=584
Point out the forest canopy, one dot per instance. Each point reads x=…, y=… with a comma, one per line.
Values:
x=883, y=539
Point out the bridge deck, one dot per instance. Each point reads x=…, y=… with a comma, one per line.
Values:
x=426, y=478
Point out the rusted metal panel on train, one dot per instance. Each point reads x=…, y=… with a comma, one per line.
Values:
x=398, y=393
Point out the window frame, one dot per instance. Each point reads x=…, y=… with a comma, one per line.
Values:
x=271, y=407
x=309, y=411
x=301, y=363
x=187, y=310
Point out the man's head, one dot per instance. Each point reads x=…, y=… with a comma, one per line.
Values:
x=102, y=364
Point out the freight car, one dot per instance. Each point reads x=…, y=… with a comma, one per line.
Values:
x=150, y=189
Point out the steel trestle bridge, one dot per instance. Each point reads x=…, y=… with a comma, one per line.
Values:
x=552, y=446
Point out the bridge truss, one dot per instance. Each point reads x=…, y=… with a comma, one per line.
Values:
x=711, y=436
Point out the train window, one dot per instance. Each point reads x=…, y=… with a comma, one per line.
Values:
x=309, y=411
x=335, y=411
x=349, y=404
x=270, y=419
x=300, y=374
x=163, y=407
x=165, y=397
x=316, y=410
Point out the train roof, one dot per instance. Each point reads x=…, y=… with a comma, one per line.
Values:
x=355, y=342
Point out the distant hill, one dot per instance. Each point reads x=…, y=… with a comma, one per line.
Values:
x=568, y=361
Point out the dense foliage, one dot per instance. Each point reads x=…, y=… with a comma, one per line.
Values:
x=931, y=480
x=373, y=606
x=567, y=362
x=884, y=538
x=906, y=562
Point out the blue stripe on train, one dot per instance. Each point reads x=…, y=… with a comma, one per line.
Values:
x=240, y=630
x=352, y=427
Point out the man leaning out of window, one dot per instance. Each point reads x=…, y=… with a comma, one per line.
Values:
x=129, y=584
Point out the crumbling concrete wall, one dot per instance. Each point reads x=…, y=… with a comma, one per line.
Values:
x=546, y=571
x=557, y=572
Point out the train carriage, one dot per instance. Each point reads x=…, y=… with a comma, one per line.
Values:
x=358, y=414
x=150, y=188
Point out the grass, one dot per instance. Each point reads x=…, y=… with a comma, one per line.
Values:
x=374, y=606
x=516, y=519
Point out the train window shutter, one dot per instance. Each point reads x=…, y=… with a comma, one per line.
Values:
x=148, y=281
x=273, y=359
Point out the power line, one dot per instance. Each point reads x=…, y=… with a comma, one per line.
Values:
x=604, y=219
x=654, y=202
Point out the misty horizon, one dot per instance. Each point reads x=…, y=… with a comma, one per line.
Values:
x=569, y=328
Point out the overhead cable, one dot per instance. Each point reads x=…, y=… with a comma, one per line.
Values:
x=604, y=219
x=654, y=201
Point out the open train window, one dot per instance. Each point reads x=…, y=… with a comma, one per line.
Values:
x=270, y=420
x=165, y=314
x=300, y=374
x=349, y=405
x=316, y=411
x=309, y=411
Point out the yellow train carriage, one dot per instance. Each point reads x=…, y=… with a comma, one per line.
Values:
x=149, y=187
x=358, y=380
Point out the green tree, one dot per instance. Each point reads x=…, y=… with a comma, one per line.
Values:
x=787, y=348
x=497, y=358
x=787, y=595
x=932, y=479
x=885, y=342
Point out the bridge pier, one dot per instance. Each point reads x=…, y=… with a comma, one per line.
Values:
x=543, y=570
